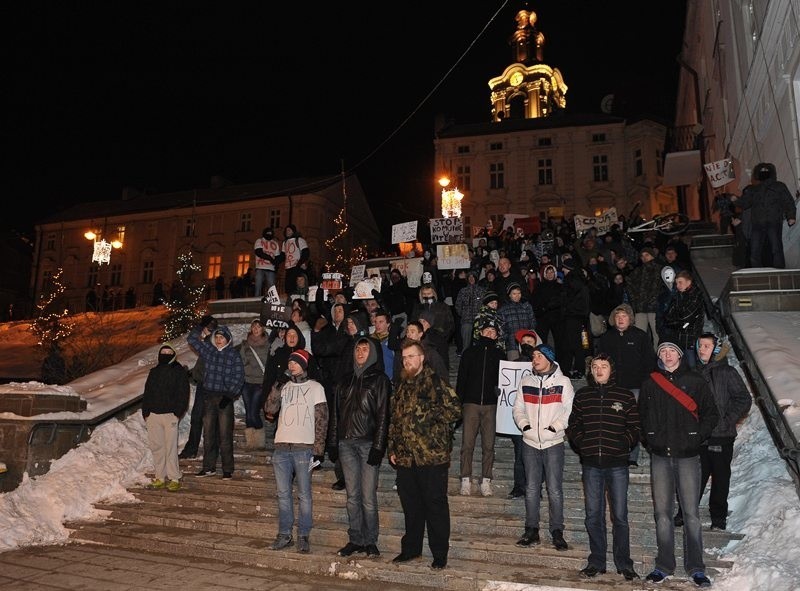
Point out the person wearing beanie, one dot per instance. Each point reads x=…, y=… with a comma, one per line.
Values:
x=516, y=314
x=678, y=415
x=489, y=310
x=357, y=437
x=267, y=251
x=507, y=274
x=632, y=353
x=164, y=402
x=302, y=414
x=541, y=411
x=223, y=378
x=254, y=350
x=476, y=386
x=603, y=426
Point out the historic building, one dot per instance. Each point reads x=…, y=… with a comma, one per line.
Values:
x=219, y=225
x=532, y=158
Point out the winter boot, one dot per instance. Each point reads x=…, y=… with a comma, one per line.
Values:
x=249, y=438
x=259, y=441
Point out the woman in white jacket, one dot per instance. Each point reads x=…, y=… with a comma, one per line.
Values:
x=541, y=411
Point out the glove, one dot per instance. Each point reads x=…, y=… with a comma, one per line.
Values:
x=207, y=321
x=375, y=457
x=224, y=401
x=145, y=415
x=319, y=458
x=551, y=429
x=526, y=428
x=333, y=453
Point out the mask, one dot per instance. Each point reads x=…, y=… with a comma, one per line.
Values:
x=427, y=300
x=164, y=358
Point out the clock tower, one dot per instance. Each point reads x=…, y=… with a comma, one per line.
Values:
x=528, y=88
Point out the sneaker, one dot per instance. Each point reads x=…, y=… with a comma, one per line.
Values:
x=719, y=524
x=592, y=571
x=403, y=557
x=372, y=551
x=349, y=549
x=282, y=541
x=657, y=576
x=338, y=485
x=439, y=563
x=516, y=493
x=203, y=473
x=558, y=541
x=187, y=455
x=302, y=545
x=628, y=573
x=227, y=475
x=466, y=487
x=394, y=486
x=529, y=538
x=174, y=485
x=701, y=580
x=156, y=484
x=486, y=487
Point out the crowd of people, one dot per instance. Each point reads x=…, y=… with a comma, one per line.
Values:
x=361, y=380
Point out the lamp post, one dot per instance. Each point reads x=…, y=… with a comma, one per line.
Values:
x=451, y=199
x=102, y=249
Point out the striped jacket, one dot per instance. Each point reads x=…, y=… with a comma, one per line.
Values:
x=542, y=401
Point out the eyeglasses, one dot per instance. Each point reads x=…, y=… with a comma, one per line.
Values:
x=410, y=356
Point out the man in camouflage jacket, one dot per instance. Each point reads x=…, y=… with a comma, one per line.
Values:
x=424, y=409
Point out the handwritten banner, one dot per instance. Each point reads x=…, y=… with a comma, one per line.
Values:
x=275, y=315
x=446, y=229
x=509, y=376
x=720, y=173
x=405, y=232
x=357, y=274
x=602, y=222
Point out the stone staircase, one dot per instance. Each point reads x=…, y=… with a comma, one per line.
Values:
x=235, y=521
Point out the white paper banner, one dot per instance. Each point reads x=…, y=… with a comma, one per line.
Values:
x=452, y=256
x=446, y=230
x=272, y=295
x=602, y=222
x=357, y=274
x=720, y=173
x=405, y=232
x=509, y=376
x=411, y=269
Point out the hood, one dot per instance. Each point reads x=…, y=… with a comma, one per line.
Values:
x=360, y=319
x=167, y=357
x=301, y=340
x=765, y=171
x=372, y=359
x=626, y=308
x=224, y=331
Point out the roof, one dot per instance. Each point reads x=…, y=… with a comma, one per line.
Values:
x=453, y=130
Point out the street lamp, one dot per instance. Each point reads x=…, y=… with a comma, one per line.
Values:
x=451, y=199
x=101, y=252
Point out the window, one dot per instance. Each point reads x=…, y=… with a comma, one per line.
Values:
x=545, y=170
x=600, y=167
x=189, y=228
x=598, y=137
x=463, y=181
x=638, y=163
x=214, y=266
x=496, y=175
x=545, y=141
x=93, y=275
x=121, y=234
x=245, y=221
x=462, y=150
x=242, y=264
x=496, y=146
x=147, y=272
x=659, y=163
x=116, y=275
x=50, y=243
x=275, y=218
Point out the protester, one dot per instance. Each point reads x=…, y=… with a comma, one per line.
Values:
x=267, y=251
x=296, y=255
x=192, y=444
x=254, y=351
x=516, y=314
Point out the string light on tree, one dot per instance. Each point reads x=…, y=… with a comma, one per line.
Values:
x=52, y=322
x=343, y=254
x=185, y=302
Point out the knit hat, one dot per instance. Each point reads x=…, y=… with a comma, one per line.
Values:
x=526, y=332
x=300, y=357
x=568, y=264
x=547, y=352
x=667, y=345
x=512, y=286
x=489, y=296
x=649, y=250
x=487, y=323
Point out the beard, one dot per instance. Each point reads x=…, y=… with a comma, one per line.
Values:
x=406, y=374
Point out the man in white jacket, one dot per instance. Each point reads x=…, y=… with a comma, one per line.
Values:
x=541, y=411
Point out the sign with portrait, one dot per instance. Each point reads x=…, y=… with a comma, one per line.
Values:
x=411, y=269
x=452, y=256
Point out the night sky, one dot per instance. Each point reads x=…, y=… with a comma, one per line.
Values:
x=161, y=96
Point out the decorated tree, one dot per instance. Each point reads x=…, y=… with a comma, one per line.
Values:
x=52, y=321
x=184, y=302
x=343, y=255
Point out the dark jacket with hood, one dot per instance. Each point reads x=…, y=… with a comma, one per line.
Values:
x=730, y=395
x=361, y=402
x=683, y=319
x=278, y=363
x=604, y=423
x=631, y=350
x=223, y=370
x=668, y=428
x=769, y=200
x=443, y=317
x=167, y=387
x=478, y=372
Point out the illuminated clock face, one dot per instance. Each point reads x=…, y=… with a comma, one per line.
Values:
x=516, y=78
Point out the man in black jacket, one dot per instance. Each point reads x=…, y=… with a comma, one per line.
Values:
x=357, y=434
x=603, y=426
x=678, y=414
x=477, y=389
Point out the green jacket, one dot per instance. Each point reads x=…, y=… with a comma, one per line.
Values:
x=424, y=410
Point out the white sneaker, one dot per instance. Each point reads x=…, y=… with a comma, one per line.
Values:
x=486, y=487
x=466, y=487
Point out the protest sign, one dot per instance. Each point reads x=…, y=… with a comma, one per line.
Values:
x=602, y=222
x=720, y=173
x=405, y=232
x=452, y=256
x=509, y=376
x=446, y=230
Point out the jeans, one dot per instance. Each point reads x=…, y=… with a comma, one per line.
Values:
x=361, y=483
x=478, y=417
x=264, y=280
x=519, y=467
x=466, y=334
x=292, y=464
x=715, y=463
x=595, y=483
x=548, y=462
x=668, y=475
x=195, y=422
x=253, y=398
x=767, y=234
x=218, y=433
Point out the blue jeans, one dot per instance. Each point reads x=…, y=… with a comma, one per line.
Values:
x=289, y=464
x=253, y=398
x=668, y=475
x=466, y=334
x=361, y=483
x=549, y=463
x=217, y=432
x=264, y=280
x=595, y=483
